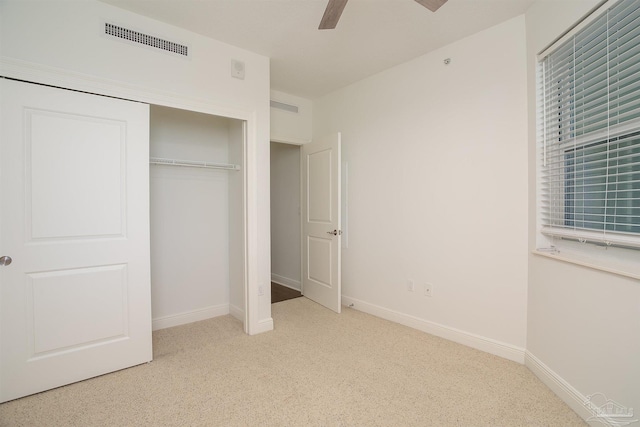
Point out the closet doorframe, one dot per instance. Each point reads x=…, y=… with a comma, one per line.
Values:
x=197, y=217
x=250, y=322
x=252, y=261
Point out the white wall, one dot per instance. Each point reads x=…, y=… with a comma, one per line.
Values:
x=285, y=215
x=60, y=43
x=437, y=189
x=583, y=324
x=290, y=127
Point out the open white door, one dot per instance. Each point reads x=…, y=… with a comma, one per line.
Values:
x=74, y=219
x=321, y=233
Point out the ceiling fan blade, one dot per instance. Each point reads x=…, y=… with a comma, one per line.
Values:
x=432, y=5
x=332, y=14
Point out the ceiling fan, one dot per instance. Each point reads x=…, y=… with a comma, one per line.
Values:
x=335, y=7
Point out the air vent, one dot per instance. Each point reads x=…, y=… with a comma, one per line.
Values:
x=146, y=39
x=283, y=106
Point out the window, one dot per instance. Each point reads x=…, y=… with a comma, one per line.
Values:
x=590, y=136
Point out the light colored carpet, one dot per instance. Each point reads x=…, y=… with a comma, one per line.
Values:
x=316, y=368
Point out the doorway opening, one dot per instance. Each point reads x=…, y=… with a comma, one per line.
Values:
x=286, y=270
x=197, y=216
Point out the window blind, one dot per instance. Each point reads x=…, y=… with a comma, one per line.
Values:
x=590, y=110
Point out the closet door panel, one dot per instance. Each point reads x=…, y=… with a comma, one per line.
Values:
x=74, y=218
x=59, y=205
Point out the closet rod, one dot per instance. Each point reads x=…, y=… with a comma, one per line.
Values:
x=192, y=164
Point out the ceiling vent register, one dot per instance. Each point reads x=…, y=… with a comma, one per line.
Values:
x=145, y=39
x=283, y=106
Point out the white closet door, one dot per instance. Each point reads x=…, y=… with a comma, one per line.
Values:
x=74, y=218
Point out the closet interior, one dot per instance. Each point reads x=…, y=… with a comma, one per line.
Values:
x=197, y=213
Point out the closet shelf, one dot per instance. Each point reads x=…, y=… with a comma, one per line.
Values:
x=192, y=163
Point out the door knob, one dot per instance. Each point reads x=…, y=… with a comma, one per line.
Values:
x=335, y=232
x=5, y=260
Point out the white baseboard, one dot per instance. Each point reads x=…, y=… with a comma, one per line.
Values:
x=285, y=281
x=236, y=312
x=190, y=316
x=478, y=342
x=565, y=391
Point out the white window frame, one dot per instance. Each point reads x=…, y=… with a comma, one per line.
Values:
x=573, y=239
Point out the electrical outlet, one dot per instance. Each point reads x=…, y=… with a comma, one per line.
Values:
x=428, y=290
x=411, y=285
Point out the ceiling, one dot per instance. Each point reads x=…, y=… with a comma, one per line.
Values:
x=372, y=35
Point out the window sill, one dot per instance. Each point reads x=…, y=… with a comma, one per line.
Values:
x=589, y=262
